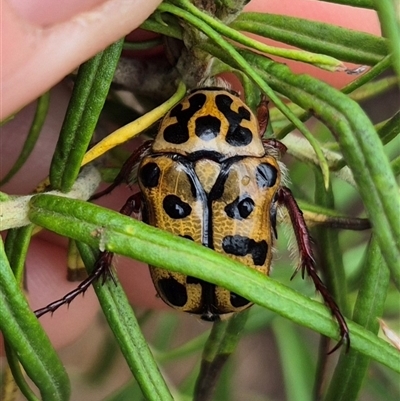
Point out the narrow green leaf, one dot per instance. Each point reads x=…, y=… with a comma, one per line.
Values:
x=143, y=45
x=352, y=367
x=125, y=327
x=120, y=234
x=395, y=164
x=185, y=350
x=90, y=90
x=373, y=89
x=389, y=17
x=169, y=28
x=368, y=76
x=353, y=3
x=295, y=360
x=26, y=337
x=42, y=107
x=341, y=43
x=390, y=129
x=16, y=248
x=18, y=374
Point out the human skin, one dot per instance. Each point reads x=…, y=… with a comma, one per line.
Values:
x=34, y=61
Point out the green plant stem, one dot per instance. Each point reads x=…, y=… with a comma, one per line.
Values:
x=222, y=342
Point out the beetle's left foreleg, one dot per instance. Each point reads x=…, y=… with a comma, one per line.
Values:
x=124, y=173
x=307, y=262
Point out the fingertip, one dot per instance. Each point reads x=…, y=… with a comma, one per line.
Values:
x=40, y=56
x=49, y=12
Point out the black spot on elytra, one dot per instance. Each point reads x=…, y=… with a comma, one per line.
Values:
x=207, y=127
x=173, y=291
x=175, y=207
x=236, y=135
x=241, y=246
x=266, y=175
x=178, y=133
x=150, y=175
x=187, y=237
x=238, y=301
x=193, y=280
x=240, y=208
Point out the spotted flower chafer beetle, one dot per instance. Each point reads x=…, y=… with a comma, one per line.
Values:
x=210, y=177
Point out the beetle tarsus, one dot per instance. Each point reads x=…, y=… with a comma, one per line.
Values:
x=100, y=270
x=307, y=261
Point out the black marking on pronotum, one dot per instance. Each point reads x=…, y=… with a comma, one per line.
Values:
x=236, y=135
x=266, y=175
x=150, y=175
x=178, y=133
x=206, y=154
x=241, y=246
x=240, y=208
x=175, y=207
x=207, y=127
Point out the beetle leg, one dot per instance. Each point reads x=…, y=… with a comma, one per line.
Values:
x=307, y=262
x=262, y=115
x=274, y=143
x=125, y=172
x=263, y=120
x=102, y=267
